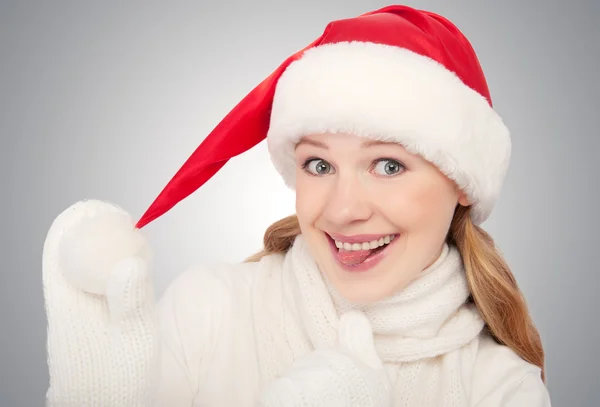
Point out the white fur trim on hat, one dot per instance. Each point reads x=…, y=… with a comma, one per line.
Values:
x=392, y=94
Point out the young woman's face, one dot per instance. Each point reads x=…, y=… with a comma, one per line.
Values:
x=387, y=209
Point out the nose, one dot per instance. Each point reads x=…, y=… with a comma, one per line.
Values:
x=347, y=203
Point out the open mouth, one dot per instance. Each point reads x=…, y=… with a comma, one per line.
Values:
x=363, y=255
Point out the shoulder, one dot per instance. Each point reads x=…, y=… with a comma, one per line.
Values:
x=201, y=286
x=203, y=305
x=207, y=291
x=503, y=378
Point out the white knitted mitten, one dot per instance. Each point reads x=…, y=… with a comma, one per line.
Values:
x=349, y=375
x=102, y=330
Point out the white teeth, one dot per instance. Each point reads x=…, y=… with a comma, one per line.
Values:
x=365, y=245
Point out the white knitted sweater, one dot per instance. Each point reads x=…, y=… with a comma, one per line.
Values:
x=241, y=326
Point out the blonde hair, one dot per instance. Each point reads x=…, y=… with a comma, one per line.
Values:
x=494, y=289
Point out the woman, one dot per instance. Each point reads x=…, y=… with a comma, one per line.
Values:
x=382, y=290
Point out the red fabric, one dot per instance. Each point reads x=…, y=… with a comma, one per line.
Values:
x=247, y=124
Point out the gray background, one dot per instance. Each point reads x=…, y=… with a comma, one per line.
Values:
x=107, y=101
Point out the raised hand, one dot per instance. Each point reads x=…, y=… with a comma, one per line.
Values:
x=102, y=331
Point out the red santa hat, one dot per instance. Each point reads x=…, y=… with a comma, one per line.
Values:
x=396, y=74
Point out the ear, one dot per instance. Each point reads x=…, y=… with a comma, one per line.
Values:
x=462, y=199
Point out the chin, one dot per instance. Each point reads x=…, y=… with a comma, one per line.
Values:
x=363, y=288
x=369, y=282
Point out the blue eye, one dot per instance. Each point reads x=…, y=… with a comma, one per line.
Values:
x=388, y=167
x=317, y=166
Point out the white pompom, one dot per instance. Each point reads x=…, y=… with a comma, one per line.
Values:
x=90, y=249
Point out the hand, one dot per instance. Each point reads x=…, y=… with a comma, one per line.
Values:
x=350, y=374
x=102, y=331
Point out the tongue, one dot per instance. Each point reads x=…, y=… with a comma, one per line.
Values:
x=351, y=257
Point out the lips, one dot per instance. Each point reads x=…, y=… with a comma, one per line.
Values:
x=360, y=262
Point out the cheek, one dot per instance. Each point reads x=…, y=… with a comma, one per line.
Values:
x=309, y=199
x=420, y=206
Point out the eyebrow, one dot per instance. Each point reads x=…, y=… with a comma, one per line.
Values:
x=312, y=143
x=365, y=144
x=372, y=143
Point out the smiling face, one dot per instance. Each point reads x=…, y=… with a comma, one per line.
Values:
x=373, y=215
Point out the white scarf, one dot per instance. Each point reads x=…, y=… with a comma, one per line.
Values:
x=426, y=335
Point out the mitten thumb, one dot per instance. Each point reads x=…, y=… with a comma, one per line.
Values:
x=130, y=294
x=355, y=335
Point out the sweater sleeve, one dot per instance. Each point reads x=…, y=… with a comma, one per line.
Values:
x=503, y=379
x=529, y=391
x=186, y=327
